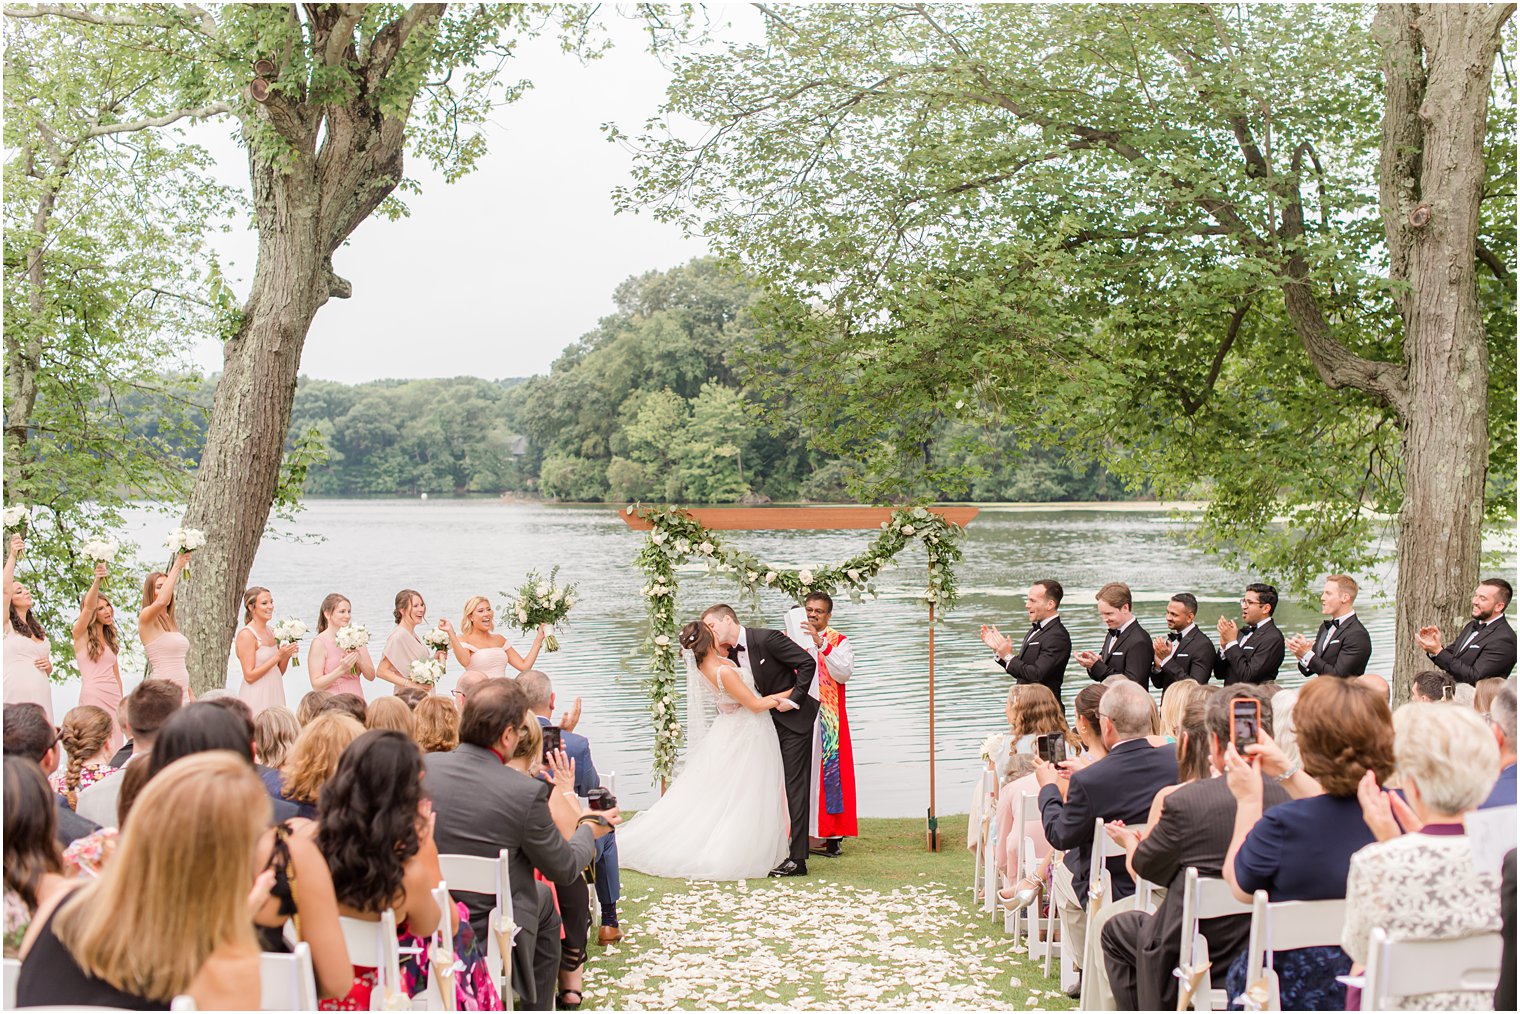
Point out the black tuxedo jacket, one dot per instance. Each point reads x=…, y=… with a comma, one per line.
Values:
x=1130, y=654
x=780, y=664
x=1042, y=657
x=1193, y=660
x=1345, y=654
x=1121, y=786
x=1194, y=829
x=1255, y=662
x=1491, y=653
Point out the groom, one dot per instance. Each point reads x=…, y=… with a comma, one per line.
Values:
x=777, y=664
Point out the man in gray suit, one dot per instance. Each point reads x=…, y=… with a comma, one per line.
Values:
x=483, y=806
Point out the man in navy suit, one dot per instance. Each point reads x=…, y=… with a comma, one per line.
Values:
x=539, y=690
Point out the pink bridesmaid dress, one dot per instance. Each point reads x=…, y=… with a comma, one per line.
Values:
x=268, y=691
x=166, y=656
x=491, y=661
x=348, y=683
x=100, y=685
x=24, y=682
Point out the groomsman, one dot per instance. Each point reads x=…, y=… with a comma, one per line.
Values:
x=1185, y=653
x=1046, y=648
x=1342, y=647
x=1252, y=653
x=1486, y=646
x=1127, y=649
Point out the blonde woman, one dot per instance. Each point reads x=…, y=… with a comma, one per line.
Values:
x=314, y=758
x=28, y=660
x=436, y=725
x=1174, y=701
x=274, y=732
x=262, y=658
x=330, y=667
x=404, y=645
x=86, y=738
x=158, y=630
x=95, y=646
x=124, y=940
x=390, y=713
x=480, y=648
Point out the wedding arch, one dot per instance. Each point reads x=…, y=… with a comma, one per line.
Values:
x=678, y=534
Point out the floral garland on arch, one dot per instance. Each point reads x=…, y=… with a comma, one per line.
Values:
x=677, y=537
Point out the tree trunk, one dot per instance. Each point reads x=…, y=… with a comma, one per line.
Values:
x=1438, y=65
x=240, y=466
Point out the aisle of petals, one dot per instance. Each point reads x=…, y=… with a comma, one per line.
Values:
x=776, y=946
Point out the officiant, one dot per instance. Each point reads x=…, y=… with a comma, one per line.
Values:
x=832, y=811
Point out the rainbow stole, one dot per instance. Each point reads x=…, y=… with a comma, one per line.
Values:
x=829, y=695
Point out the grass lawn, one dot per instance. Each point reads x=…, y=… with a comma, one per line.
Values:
x=886, y=925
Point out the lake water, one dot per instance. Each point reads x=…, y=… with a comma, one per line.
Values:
x=453, y=549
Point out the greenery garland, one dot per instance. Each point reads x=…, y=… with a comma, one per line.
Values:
x=677, y=537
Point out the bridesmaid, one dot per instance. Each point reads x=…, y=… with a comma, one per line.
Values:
x=480, y=648
x=164, y=645
x=331, y=668
x=262, y=658
x=95, y=646
x=28, y=656
x=404, y=646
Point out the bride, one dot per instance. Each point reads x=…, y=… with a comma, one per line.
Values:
x=724, y=817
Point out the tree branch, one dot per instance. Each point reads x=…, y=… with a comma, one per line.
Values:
x=1492, y=261
x=1190, y=406
x=391, y=39
x=131, y=126
x=341, y=36
x=74, y=14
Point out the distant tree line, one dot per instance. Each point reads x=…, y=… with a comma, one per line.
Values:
x=652, y=404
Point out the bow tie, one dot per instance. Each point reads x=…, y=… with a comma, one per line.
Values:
x=1333, y=623
x=1035, y=625
x=1249, y=628
x=736, y=649
x=1174, y=636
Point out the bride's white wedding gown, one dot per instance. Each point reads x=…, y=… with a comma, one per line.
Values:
x=724, y=817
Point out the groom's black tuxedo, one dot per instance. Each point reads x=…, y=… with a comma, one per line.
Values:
x=779, y=665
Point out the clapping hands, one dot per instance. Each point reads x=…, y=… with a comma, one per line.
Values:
x=1386, y=813
x=1429, y=640
x=999, y=642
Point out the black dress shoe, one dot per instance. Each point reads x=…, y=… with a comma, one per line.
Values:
x=789, y=869
x=829, y=849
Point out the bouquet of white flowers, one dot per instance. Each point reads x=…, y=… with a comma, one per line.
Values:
x=352, y=638
x=16, y=516
x=100, y=550
x=541, y=601
x=185, y=540
x=289, y=631
x=436, y=639
x=427, y=671
x=990, y=746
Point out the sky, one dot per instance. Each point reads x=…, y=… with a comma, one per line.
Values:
x=493, y=275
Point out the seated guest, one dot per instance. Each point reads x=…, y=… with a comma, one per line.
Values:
x=1501, y=721
x=1174, y=701
x=1424, y=885
x=267, y=773
x=483, y=806
x=539, y=690
x=86, y=740
x=390, y=713
x=313, y=704
x=1432, y=687
x=1127, y=649
x=125, y=749
x=412, y=696
x=1484, y=692
x=29, y=734
x=1252, y=653
x=149, y=706
x=468, y=681
x=1118, y=787
x=169, y=913
x=1084, y=709
x=351, y=704
x=1342, y=647
x=436, y=723
x=1300, y=850
x=314, y=758
x=1376, y=684
x=1044, y=649
x=1483, y=648
x=1185, y=653
x=1033, y=711
x=222, y=723
x=33, y=864
x=274, y=732
x=375, y=827
x=1192, y=827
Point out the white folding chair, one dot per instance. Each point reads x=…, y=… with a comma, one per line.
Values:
x=609, y=782
x=1202, y=898
x=182, y=1002
x=486, y=875
x=374, y=945
x=1285, y=926
x=1100, y=892
x=440, y=993
x=12, y=978
x=1025, y=811
x=981, y=818
x=988, y=857
x=287, y=981
x=1403, y=968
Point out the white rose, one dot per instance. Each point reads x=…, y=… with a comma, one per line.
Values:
x=805, y=576
x=663, y=640
x=657, y=538
x=706, y=548
x=770, y=577
x=853, y=574
x=908, y=529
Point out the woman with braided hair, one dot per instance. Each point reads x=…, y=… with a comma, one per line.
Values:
x=86, y=738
